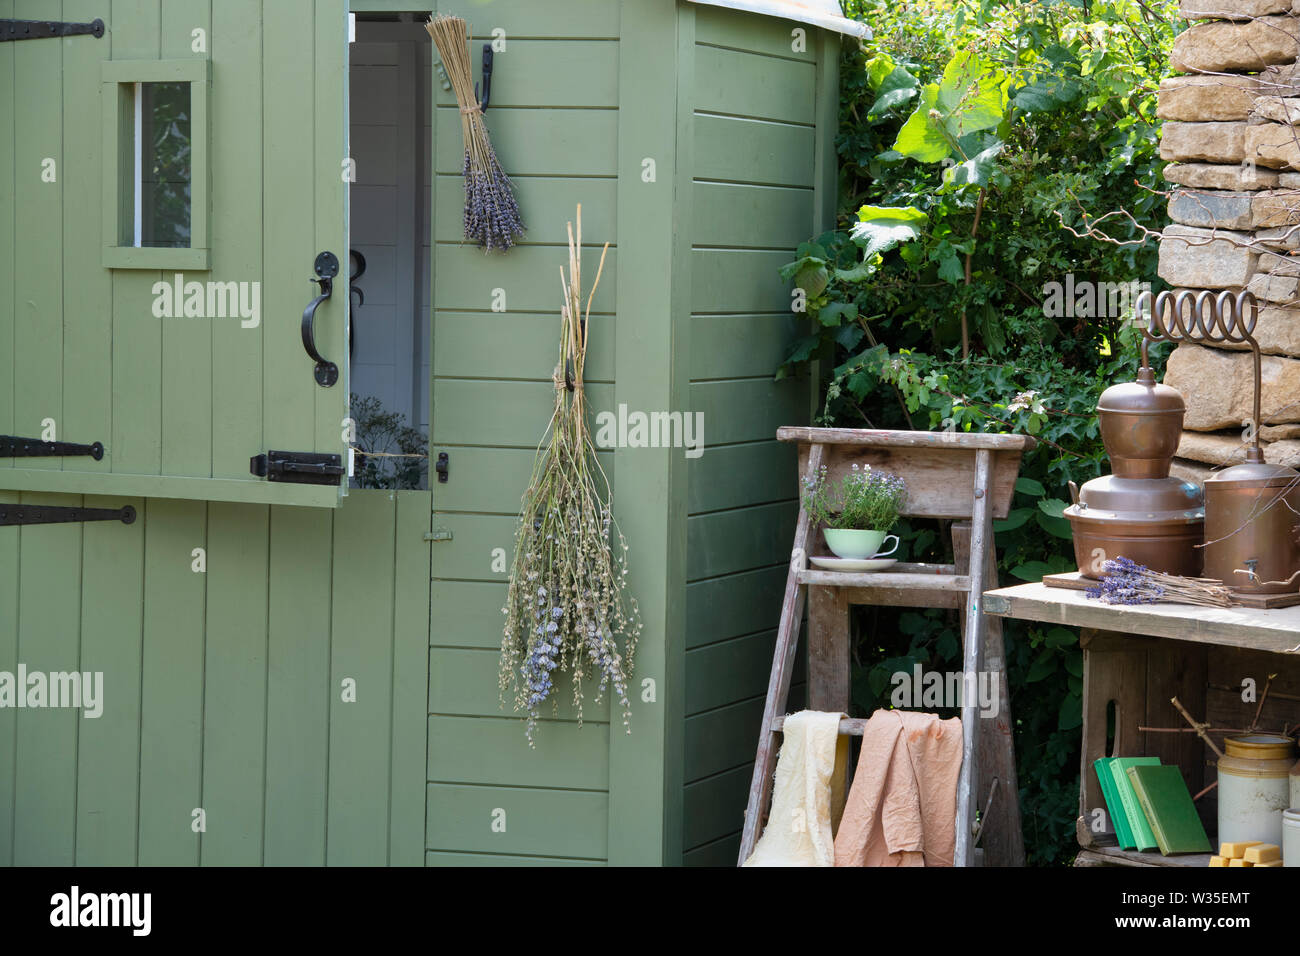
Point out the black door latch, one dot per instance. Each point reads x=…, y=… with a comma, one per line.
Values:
x=442, y=467
x=298, y=467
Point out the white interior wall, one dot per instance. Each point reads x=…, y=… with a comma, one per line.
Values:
x=390, y=220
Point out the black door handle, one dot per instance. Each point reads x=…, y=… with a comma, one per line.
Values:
x=327, y=268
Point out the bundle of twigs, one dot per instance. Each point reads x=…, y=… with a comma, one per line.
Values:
x=491, y=213
x=1127, y=582
x=567, y=607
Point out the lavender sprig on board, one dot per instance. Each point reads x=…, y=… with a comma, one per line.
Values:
x=1124, y=581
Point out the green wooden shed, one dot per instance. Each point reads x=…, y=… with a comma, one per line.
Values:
x=300, y=672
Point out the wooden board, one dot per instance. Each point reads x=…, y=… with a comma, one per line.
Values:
x=1075, y=581
x=940, y=475
x=1275, y=630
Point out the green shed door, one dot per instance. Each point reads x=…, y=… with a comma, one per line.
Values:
x=166, y=192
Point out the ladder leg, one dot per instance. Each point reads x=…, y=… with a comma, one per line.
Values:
x=778, y=686
x=1000, y=832
x=981, y=538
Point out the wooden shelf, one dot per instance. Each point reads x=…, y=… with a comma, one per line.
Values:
x=1114, y=856
x=1276, y=630
x=883, y=579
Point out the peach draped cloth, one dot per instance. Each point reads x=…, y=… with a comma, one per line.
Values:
x=902, y=807
x=808, y=794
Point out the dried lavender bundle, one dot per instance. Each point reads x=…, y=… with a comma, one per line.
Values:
x=567, y=607
x=491, y=213
x=1126, y=582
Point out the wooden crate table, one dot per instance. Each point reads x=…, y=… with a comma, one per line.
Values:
x=1135, y=659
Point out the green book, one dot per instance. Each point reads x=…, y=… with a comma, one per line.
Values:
x=1118, y=819
x=1168, y=807
x=1143, y=838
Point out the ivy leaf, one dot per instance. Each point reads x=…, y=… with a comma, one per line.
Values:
x=1044, y=665
x=1056, y=527
x=974, y=172
x=1060, y=637
x=1054, y=507
x=1029, y=486
x=833, y=315
x=894, y=90
x=880, y=228
x=951, y=269
x=1071, y=713
x=1014, y=519
x=971, y=96
x=812, y=278
x=921, y=138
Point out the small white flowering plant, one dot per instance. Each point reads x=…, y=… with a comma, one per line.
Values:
x=864, y=499
x=567, y=607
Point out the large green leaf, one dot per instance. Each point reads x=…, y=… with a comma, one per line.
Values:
x=971, y=96
x=880, y=228
x=922, y=138
x=895, y=89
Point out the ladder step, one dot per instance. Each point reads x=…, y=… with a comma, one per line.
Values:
x=849, y=726
x=882, y=579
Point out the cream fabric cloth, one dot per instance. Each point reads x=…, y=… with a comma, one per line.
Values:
x=809, y=794
x=902, y=807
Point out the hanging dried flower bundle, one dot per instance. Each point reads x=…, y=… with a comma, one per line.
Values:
x=491, y=213
x=567, y=609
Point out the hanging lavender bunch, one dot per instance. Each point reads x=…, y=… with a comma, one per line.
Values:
x=1124, y=581
x=491, y=213
x=567, y=608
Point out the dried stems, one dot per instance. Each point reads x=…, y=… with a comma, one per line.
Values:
x=491, y=212
x=567, y=606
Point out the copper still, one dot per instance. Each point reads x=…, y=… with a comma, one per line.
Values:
x=1139, y=512
x=1252, y=510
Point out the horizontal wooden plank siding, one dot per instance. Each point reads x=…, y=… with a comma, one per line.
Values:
x=492, y=800
x=754, y=202
x=224, y=634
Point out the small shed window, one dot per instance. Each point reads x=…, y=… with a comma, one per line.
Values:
x=162, y=152
x=155, y=163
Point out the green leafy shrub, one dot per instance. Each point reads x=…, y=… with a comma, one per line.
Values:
x=989, y=149
x=389, y=453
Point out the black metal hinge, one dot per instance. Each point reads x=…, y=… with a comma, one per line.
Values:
x=298, y=467
x=11, y=30
x=11, y=446
x=11, y=514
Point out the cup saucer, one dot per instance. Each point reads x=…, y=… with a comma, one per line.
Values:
x=853, y=564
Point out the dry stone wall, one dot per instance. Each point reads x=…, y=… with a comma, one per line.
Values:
x=1231, y=134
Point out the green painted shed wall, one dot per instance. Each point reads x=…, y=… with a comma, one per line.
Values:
x=236, y=673
x=223, y=689
x=760, y=112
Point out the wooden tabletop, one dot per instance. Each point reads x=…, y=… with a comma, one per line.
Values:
x=1264, y=630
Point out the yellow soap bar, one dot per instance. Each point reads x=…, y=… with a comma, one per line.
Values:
x=1263, y=853
x=1270, y=863
x=1218, y=861
x=1239, y=863
x=1236, y=851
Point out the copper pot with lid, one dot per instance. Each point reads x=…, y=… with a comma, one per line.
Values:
x=1139, y=512
x=1252, y=510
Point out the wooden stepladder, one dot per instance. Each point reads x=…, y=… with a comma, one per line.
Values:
x=968, y=479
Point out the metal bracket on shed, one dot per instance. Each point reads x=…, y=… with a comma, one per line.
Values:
x=298, y=467
x=11, y=446
x=15, y=514
x=11, y=30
